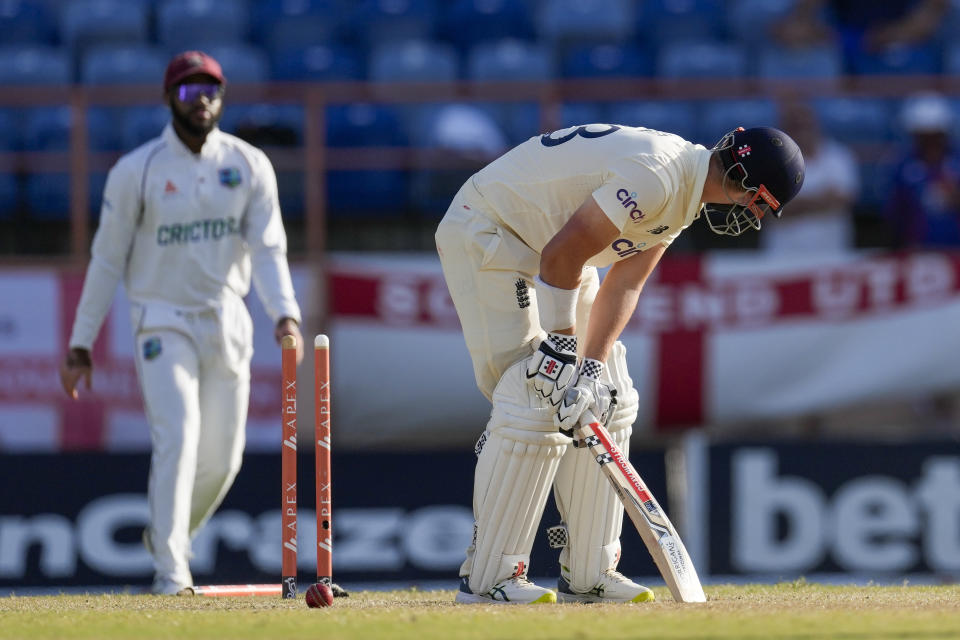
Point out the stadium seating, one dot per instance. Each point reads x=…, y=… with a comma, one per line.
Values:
x=701, y=59
x=718, y=117
x=666, y=21
x=510, y=59
x=564, y=22
x=201, y=24
x=9, y=196
x=375, y=22
x=413, y=61
x=370, y=193
x=27, y=22
x=607, y=61
x=123, y=64
x=142, y=124
x=749, y=21
x=241, y=63
x=577, y=113
x=674, y=116
x=783, y=63
x=466, y=23
x=9, y=130
x=856, y=120
x=34, y=65
x=318, y=63
x=95, y=22
x=265, y=124
x=298, y=24
x=48, y=195
x=898, y=60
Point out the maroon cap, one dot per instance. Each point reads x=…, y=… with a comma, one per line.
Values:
x=189, y=63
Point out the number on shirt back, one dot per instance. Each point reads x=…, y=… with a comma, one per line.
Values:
x=548, y=140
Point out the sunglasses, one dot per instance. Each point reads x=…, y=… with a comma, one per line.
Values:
x=190, y=92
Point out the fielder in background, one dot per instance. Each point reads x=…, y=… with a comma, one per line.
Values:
x=187, y=218
x=545, y=215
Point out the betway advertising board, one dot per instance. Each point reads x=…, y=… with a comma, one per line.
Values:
x=877, y=511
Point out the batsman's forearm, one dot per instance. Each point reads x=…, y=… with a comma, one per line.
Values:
x=609, y=316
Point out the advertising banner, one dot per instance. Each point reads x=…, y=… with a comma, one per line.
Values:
x=400, y=518
x=878, y=511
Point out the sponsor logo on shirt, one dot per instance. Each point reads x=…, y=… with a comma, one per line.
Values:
x=628, y=199
x=170, y=188
x=658, y=230
x=230, y=176
x=625, y=247
x=523, y=296
x=152, y=347
x=197, y=231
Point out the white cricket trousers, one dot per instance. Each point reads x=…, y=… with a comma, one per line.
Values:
x=489, y=273
x=194, y=370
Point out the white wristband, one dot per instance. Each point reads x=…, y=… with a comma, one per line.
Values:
x=558, y=307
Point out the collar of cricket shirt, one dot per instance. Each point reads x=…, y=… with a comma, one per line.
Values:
x=209, y=148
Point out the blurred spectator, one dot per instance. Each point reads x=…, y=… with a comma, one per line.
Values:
x=924, y=207
x=861, y=25
x=820, y=218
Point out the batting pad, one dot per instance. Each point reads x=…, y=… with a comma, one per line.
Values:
x=588, y=506
x=515, y=470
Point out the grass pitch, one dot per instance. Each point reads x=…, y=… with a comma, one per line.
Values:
x=792, y=611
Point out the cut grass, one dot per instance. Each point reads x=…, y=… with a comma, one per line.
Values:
x=791, y=611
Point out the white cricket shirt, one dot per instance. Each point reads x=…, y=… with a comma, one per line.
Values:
x=188, y=230
x=647, y=182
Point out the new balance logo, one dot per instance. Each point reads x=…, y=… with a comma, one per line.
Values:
x=658, y=230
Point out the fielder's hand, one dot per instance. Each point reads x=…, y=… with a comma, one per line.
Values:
x=588, y=398
x=289, y=327
x=77, y=364
x=553, y=367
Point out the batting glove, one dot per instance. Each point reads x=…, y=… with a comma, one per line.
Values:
x=553, y=366
x=588, y=397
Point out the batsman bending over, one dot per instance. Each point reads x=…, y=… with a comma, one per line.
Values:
x=547, y=214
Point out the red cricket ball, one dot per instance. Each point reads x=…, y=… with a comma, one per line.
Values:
x=319, y=595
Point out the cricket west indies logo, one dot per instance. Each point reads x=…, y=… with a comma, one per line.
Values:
x=230, y=176
x=628, y=200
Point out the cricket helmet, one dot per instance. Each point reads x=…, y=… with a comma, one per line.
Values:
x=764, y=161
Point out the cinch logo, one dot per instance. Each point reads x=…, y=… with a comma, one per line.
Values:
x=629, y=202
x=625, y=247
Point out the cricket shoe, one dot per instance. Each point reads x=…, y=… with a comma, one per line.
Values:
x=612, y=587
x=168, y=587
x=516, y=590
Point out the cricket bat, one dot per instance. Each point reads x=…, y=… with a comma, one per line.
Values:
x=656, y=530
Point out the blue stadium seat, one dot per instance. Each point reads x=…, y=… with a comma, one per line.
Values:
x=718, y=117
x=577, y=113
x=701, y=59
x=141, y=124
x=47, y=195
x=749, y=21
x=469, y=22
x=413, y=61
x=9, y=196
x=783, y=63
x=856, y=120
x=674, y=116
x=35, y=66
x=298, y=24
x=951, y=59
x=9, y=129
x=47, y=128
x=318, y=63
x=665, y=21
x=378, y=21
x=278, y=124
x=85, y=23
x=123, y=64
x=369, y=192
x=563, y=22
x=321, y=21
x=241, y=63
x=898, y=60
x=607, y=61
x=104, y=128
x=510, y=59
x=201, y=24
x=27, y=22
